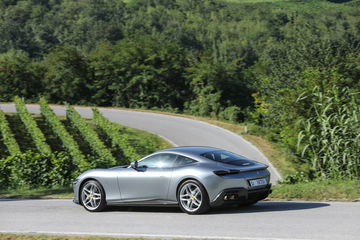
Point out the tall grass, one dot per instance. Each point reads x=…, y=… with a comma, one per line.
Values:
x=330, y=139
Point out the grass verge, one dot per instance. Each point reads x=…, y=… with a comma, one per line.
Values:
x=37, y=193
x=325, y=190
x=6, y=236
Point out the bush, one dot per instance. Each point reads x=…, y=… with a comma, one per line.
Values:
x=67, y=140
x=8, y=136
x=32, y=128
x=117, y=136
x=90, y=135
x=232, y=114
x=35, y=170
x=5, y=172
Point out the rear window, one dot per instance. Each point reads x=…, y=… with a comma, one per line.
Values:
x=228, y=158
x=182, y=161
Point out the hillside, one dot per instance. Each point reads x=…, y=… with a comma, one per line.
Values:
x=288, y=68
x=50, y=151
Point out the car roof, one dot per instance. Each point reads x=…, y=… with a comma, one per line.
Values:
x=192, y=150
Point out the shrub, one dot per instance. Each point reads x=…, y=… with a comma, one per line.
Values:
x=232, y=114
x=118, y=138
x=67, y=140
x=91, y=137
x=7, y=136
x=32, y=128
x=34, y=170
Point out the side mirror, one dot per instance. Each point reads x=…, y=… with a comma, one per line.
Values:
x=134, y=164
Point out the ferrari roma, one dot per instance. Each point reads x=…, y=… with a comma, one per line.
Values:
x=193, y=178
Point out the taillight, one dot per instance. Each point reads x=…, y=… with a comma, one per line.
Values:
x=226, y=172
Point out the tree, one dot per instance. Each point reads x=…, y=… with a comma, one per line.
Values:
x=66, y=77
x=19, y=76
x=140, y=72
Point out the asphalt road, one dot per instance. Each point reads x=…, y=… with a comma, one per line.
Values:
x=265, y=220
x=177, y=130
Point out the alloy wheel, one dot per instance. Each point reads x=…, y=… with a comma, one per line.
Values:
x=91, y=196
x=190, y=197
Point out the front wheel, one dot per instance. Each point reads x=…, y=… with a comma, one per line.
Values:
x=193, y=198
x=93, y=196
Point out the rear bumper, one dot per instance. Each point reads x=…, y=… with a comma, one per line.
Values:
x=241, y=195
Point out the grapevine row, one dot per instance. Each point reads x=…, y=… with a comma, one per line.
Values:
x=59, y=129
x=8, y=137
x=114, y=132
x=90, y=136
x=32, y=128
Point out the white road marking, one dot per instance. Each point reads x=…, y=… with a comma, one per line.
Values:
x=144, y=235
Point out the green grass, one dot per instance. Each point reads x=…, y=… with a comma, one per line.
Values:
x=6, y=236
x=38, y=193
x=326, y=190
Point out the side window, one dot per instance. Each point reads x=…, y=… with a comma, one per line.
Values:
x=162, y=160
x=182, y=160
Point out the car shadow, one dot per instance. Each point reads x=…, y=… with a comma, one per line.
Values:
x=269, y=206
x=143, y=209
x=262, y=206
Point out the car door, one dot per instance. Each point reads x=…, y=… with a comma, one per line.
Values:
x=149, y=181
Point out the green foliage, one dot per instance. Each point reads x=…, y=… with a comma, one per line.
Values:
x=66, y=76
x=32, y=128
x=118, y=137
x=89, y=134
x=232, y=114
x=298, y=177
x=35, y=169
x=19, y=75
x=330, y=137
x=139, y=73
x=32, y=169
x=7, y=136
x=260, y=108
x=67, y=140
x=232, y=60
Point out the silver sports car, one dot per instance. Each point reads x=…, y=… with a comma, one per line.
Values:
x=194, y=178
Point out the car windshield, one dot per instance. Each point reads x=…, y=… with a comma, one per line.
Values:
x=228, y=158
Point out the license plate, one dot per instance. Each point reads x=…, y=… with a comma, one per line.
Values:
x=258, y=182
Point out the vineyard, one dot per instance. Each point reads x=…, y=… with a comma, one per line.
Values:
x=46, y=150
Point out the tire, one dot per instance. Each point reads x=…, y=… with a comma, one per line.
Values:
x=193, y=198
x=92, y=196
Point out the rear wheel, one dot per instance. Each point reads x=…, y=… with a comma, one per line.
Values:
x=93, y=196
x=193, y=198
